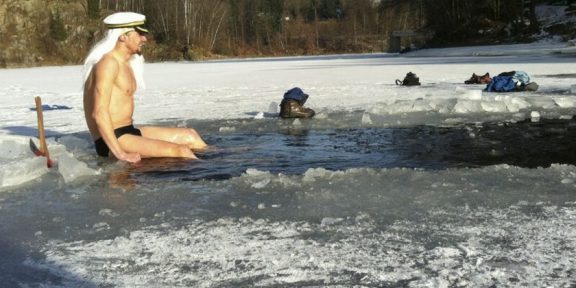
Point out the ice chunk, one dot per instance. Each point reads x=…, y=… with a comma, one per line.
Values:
x=321, y=115
x=475, y=94
x=446, y=252
x=12, y=149
x=108, y=213
x=329, y=221
x=22, y=170
x=74, y=143
x=71, y=168
x=441, y=105
x=273, y=108
x=260, y=115
x=311, y=174
x=546, y=103
x=420, y=105
x=566, y=102
x=467, y=106
x=494, y=106
x=261, y=184
x=515, y=104
x=256, y=172
x=469, y=94
x=101, y=226
x=573, y=89
x=366, y=120
x=400, y=106
x=226, y=129
x=535, y=116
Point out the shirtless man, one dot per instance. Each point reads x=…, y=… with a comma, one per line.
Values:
x=113, y=73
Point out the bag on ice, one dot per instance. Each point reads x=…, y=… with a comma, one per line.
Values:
x=409, y=80
x=521, y=77
x=511, y=81
x=479, y=79
x=501, y=84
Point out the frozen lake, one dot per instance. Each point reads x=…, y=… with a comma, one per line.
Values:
x=433, y=186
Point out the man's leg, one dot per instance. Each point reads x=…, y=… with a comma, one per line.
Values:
x=147, y=147
x=186, y=136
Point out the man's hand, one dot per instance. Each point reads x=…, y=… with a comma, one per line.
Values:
x=130, y=157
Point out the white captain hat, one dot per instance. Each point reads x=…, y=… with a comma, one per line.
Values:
x=126, y=20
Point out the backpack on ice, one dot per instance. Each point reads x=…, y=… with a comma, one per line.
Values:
x=523, y=82
x=511, y=81
x=522, y=77
x=410, y=80
x=501, y=84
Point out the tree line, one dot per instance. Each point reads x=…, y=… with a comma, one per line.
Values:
x=194, y=29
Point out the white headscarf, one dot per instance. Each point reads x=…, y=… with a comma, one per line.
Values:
x=106, y=45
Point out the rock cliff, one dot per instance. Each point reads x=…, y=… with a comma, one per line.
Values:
x=43, y=32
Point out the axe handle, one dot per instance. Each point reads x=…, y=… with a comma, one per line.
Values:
x=41, y=133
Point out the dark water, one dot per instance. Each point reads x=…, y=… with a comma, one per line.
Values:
x=294, y=150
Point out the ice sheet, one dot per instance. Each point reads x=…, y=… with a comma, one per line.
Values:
x=91, y=222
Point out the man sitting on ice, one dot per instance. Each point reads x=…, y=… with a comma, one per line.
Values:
x=113, y=72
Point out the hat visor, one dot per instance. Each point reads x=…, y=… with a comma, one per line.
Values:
x=141, y=30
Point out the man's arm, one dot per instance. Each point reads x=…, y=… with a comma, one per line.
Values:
x=105, y=74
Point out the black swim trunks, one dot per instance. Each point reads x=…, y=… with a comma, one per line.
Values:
x=101, y=147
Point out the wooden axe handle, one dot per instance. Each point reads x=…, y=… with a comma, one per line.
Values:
x=41, y=133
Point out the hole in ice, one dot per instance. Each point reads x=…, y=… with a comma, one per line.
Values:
x=293, y=150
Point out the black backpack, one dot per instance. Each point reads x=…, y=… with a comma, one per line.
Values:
x=410, y=80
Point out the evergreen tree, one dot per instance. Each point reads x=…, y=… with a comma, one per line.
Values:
x=57, y=28
x=93, y=9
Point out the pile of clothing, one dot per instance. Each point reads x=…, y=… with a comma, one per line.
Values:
x=512, y=81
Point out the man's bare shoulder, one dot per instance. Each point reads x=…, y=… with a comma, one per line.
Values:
x=107, y=63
